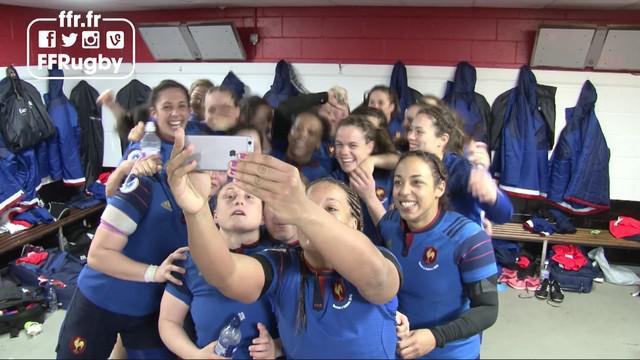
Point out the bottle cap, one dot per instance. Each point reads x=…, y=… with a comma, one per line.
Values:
x=150, y=126
x=237, y=318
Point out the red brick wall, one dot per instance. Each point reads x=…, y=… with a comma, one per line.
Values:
x=366, y=35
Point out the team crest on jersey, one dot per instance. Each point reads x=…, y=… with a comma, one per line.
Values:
x=338, y=290
x=332, y=149
x=428, y=259
x=130, y=185
x=381, y=194
x=78, y=345
x=134, y=155
x=342, y=299
x=398, y=135
x=166, y=205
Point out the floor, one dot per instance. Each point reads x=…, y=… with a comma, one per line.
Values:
x=601, y=324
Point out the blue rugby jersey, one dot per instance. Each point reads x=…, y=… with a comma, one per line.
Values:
x=211, y=310
x=312, y=171
x=340, y=322
x=437, y=261
x=384, y=191
x=326, y=155
x=145, y=209
x=463, y=202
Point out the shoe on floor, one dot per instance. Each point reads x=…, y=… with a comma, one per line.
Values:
x=517, y=284
x=532, y=283
x=542, y=292
x=556, y=294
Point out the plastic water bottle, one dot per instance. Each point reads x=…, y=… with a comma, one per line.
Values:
x=229, y=337
x=544, y=274
x=52, y=297
x=150, y=143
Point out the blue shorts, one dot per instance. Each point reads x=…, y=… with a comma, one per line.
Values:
x=89, y=331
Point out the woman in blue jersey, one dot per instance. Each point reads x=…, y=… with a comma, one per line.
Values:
x=356, y=141
x=448, y=289
x=334, y=297
x=238, y=216
x=471, y=189
x=141, y=233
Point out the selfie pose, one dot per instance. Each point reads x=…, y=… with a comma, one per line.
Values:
x=334, y=297
x=238, y=215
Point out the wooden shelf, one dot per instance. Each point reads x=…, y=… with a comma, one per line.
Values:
x=9, y=242
x=515, y=232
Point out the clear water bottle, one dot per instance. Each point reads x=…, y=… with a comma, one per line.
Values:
x=229, y=337
x=544, y=273
x=150, y=143
x=52, y=298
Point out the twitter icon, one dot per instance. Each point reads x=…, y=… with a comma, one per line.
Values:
x=69, y=40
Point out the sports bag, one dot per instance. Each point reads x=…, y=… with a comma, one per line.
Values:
x=575, y=281
x=19, y=304
x=60, y=268
x=24, y=120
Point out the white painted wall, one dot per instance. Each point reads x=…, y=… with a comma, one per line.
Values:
x=618, y=106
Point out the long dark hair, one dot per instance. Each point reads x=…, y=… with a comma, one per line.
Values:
x=356, y=211
x=249, y=107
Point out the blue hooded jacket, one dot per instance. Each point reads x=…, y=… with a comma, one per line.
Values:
x=62, y=160
x=282, y=87
x=406, y=97
x=474, y=109
x=579, y=180
x=521, y=159
x=233, y=83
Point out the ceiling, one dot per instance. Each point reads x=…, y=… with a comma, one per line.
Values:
x=124, y=5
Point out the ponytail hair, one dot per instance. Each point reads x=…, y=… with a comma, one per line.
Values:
x=356, y=211
x=446, y=121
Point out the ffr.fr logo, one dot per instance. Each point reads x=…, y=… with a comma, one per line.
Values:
x=59, y=40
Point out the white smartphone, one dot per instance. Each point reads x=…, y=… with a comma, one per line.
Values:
x=213, y=152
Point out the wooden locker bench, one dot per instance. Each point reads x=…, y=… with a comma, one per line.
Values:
x=9, y=242
x=515, y=232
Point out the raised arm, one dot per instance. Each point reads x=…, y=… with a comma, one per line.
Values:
x=348, y=250
x=239, y=277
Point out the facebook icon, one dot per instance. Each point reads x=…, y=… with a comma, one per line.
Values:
x=46, y=39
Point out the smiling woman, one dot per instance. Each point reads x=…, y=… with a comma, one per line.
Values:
x=356, y=140
x=447, y=261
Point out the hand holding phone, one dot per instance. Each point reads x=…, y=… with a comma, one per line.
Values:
x=213, y=152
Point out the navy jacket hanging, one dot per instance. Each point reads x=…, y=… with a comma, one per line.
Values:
x=474, y=109
x=406, y=97
x=282, y=87
x=233, y=83
x=521, y=159
x=546, y=97
x=63, y=149
x=133, y=94
x=579, y=179
x=83, y=97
